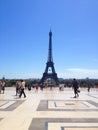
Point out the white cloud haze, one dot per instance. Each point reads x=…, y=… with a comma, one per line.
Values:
x=80, y=73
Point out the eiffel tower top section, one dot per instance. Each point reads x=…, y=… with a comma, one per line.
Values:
x=50, y=58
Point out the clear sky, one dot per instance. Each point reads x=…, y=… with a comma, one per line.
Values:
x=24, y=37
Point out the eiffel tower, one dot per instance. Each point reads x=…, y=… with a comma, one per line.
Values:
x=50, y=75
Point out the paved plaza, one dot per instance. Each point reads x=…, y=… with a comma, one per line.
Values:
x=49, y=110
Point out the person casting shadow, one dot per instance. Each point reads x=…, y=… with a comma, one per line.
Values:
x=75, y=88
x=22, y=87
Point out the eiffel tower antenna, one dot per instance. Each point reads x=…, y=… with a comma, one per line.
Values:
x=50, y=73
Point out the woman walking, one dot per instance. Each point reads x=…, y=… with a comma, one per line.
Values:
x=22, y=87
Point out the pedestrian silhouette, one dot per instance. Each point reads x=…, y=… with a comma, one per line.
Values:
x=75, y=88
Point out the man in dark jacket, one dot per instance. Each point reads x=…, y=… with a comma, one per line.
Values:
x=75, y=87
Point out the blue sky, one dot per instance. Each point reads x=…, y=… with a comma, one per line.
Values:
x=24, y=37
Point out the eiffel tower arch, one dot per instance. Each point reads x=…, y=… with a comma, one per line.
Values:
x=50, y=75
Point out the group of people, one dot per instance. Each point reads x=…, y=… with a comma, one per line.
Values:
x=75, y=87
x=2, y=86
x=20, y=86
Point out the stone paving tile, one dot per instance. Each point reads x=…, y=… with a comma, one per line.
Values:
x=1, y=119
x=41, y=110
x=93, y=95
x=42, y=124
x=12, y=106
x=44, y=105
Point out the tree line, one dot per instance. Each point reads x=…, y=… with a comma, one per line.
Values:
x=67, y=82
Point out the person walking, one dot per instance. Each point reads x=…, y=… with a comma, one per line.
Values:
x=0, y=86
x=41, y=86
x=75, y=87
x=36, y=87
x=3, y=86
x=22, y=87
x=17, y=87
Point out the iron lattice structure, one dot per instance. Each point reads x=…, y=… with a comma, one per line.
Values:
x=50, y=74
